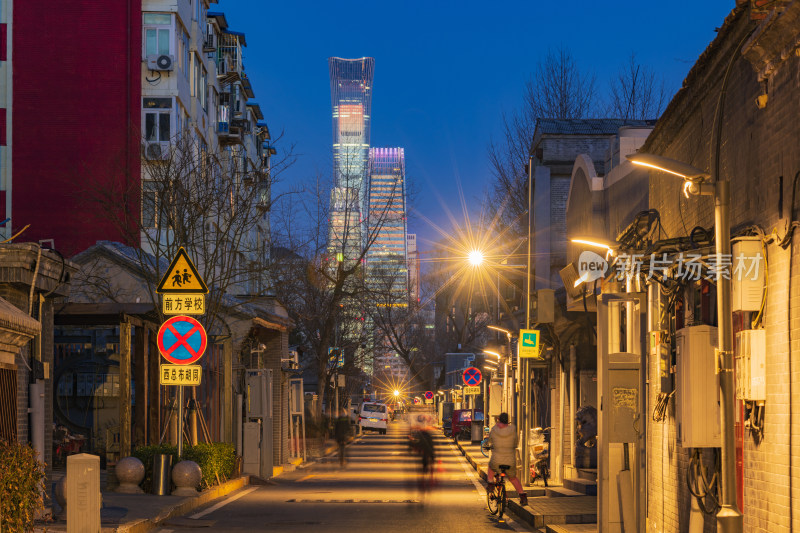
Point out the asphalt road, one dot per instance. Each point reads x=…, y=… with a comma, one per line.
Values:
x=376, y=491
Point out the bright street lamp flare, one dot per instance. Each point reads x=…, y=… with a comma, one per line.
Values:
x=475, y=257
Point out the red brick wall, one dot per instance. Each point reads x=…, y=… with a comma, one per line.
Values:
x=76, y=108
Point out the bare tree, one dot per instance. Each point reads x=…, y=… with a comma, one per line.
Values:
x=636, y=93
x=557, y=89
x=321, y=279
x=212, y=203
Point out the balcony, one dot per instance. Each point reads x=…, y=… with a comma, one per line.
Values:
x=228, y=133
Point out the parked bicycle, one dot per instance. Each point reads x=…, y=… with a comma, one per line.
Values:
x=496, y=497
x=485, y=448
x=540, y=454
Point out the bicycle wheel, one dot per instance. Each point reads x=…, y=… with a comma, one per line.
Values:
x=501, y=501
x=484, y=449
x=492, y=499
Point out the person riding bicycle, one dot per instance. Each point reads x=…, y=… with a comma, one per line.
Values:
x=503, y=444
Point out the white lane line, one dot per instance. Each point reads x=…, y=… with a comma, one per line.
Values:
x=221, y=504
x=472, y=476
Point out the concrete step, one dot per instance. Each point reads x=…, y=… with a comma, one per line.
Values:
x=559, y=492
x=584, y=486
x=544, y=511
x=571, y=528
x=588, y=473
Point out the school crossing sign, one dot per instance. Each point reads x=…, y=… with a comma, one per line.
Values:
x=182, y=290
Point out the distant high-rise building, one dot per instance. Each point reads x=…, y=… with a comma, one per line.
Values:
x=351, y=101
x=387, y=269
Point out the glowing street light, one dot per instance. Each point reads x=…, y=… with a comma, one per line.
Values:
x=396, y=393
x=475, y=258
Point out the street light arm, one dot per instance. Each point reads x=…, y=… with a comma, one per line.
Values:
x=670, y=166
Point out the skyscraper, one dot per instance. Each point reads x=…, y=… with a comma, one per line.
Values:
x=387, y=269
x=351, y=100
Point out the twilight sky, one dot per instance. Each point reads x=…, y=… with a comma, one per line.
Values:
x=445, y=72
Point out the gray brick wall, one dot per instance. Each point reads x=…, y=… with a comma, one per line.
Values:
x=758, y=146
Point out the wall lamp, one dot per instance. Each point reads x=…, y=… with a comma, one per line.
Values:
x=694, y=178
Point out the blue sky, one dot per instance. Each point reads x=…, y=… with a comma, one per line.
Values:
x=445, y=72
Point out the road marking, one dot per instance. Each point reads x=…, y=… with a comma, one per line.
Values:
x=472, y=476
x=306, y=477
x=221, y=504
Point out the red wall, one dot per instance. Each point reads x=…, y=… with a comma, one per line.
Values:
x=76, y=117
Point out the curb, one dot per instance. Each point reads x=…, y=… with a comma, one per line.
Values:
x=180, y=509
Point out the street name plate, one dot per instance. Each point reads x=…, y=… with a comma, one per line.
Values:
x=186, y=375
x=183, y=304
x=471, y=390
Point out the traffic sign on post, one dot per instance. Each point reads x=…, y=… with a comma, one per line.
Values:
x=472, y=376
x=188, y=375
x=472, y=390
x=182, y=277
x=181, y=340
x=529, y=344
x=429, y=395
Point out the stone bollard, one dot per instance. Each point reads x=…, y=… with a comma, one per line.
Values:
x=186, y=476
x=83, y=493
x=60, y=495
x=130, y=472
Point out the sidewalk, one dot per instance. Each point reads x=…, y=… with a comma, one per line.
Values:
x=138, y=513
x=556, y=505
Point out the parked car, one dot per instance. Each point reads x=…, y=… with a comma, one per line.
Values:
x=462, y=421
x=373, y=415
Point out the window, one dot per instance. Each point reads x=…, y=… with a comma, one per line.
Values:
x=157, y=34
x=153, y=209
x=157, y=119
x=183, y=51
x=204, y=89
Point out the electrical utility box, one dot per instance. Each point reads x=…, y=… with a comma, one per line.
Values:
x=747, y=274
x=751, y=367
x=257, y=428
x=698, y=406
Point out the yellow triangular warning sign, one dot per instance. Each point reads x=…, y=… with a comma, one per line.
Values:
x=181, y=277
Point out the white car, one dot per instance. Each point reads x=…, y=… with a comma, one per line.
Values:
x=373, y=415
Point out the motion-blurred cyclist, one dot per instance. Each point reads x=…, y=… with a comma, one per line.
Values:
x=503, y=443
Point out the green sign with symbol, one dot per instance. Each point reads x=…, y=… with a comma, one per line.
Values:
x=529, y=344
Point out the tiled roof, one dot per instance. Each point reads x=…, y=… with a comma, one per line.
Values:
x=585, y=126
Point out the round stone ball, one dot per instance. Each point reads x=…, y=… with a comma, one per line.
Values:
x=129, y=472
x=186, y=476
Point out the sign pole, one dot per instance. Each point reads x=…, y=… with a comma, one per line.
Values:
x=180, y=421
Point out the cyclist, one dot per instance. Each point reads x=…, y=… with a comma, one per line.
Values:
x=503, y=443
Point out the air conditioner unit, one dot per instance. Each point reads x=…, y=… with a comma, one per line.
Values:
x=157, y=151
x=161, y=62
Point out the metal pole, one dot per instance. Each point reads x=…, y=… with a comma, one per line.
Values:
x=572, y=396
x=180, y=421
x=525, y=371
x=729, y=519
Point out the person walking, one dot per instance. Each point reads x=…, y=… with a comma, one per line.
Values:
x=341, y=432
x=503, y=441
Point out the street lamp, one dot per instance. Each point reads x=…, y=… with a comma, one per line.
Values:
x=729, y=518
x=475, y=258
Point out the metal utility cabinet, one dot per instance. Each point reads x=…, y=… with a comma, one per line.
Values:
x=257, y=428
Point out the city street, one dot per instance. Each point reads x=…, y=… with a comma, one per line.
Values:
x=377, y=491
